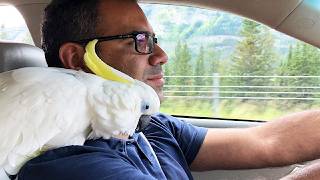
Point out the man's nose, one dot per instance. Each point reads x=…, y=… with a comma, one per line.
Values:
x=158, y=56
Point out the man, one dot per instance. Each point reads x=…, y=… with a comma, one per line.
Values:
x=175, y=146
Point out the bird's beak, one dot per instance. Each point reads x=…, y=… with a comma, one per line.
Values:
x=144, y=121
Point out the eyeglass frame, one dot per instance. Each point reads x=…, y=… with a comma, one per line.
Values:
x=132, y=35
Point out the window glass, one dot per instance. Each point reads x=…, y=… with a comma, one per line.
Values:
x=225, y=66
x=13, y=26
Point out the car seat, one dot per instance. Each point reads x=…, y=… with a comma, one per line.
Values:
x=17, y=55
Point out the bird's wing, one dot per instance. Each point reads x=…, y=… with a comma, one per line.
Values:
x=37, y=104
x=109, y=109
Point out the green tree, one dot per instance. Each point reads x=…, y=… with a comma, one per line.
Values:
x=212, y=65
x=167, y=72
x=185, y=68
x=200, y=68
x=182, y=60
x=212, y=62
x=302, y=60
x=254, y=56
x=177, y=58
x=182, y=66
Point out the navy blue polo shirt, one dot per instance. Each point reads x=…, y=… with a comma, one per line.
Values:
x=175, y=144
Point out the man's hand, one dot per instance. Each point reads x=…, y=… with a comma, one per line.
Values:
x=306, y=172
x=287, y=140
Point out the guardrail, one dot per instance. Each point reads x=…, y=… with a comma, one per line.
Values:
x=218, y=90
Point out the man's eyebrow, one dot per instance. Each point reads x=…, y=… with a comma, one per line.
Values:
x=153, y=33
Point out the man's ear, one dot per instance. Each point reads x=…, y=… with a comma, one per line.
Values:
x=71, y=55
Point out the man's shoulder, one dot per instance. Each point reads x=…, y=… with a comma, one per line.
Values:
x=165, y=118
x=94, y=155
x=93, y=148
x=164, y=124
x=165, y=121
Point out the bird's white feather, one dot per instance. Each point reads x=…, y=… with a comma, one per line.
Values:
x=35, y=109
x=44, y=108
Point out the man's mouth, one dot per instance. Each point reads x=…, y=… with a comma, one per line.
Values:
x=156, y=80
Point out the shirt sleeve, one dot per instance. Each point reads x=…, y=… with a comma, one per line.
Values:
x=88, y=166
x=189, y=137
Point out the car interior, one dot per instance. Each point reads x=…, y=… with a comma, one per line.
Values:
x=296, y=18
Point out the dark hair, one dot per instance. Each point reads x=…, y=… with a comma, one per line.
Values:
x=65, y=21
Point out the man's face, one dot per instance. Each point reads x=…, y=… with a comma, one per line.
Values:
x=123, y=17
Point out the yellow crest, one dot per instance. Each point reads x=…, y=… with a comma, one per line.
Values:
x=100, y=68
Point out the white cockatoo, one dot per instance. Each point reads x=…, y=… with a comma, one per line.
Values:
x=46, y=108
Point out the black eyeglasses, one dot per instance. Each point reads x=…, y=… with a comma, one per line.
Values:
x=144, y=41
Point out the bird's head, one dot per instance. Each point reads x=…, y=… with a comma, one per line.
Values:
x=141, y=100
x=150, y=104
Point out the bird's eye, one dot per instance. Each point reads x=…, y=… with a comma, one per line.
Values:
x=145, y=106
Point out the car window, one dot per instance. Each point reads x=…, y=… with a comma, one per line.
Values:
x=12, y=26
x=225, y=66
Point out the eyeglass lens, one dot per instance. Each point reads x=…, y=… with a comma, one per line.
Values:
x=144, y=43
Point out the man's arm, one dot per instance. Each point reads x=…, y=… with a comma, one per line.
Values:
x=287, y=140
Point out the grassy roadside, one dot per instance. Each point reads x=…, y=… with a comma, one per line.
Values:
x=255, y=110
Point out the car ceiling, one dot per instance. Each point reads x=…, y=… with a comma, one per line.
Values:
x=293, y=17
